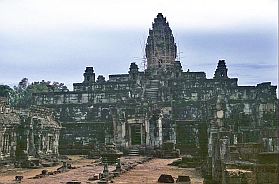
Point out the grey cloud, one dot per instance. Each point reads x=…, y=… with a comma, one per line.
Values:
x=62, y=56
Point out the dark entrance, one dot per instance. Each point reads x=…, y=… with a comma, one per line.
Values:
x=135, y=134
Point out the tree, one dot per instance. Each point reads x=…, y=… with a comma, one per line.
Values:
x=24, y=91
x=5, y=91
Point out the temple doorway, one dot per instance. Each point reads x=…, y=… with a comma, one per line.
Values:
x=136, y=134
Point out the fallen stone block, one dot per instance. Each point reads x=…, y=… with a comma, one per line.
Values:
x=56, y=172
x=73, y=182
x=18, y=178
x=51, y=173
x=103, y=182
x=115, y=174
x=95, y=177
x=38, y=176
x=183, y=180
x=165, y=178
x=44, y=172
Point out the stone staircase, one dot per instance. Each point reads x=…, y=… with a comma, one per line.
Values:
x=152, y=89
x=134, y=152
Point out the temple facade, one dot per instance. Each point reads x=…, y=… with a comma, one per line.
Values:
x=27, y=136
x=163, y=103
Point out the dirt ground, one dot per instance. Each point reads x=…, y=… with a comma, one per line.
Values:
x=147, y=172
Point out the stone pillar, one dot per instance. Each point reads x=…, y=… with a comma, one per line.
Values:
x=50, y=143
x=224, y=156
x=129, y=135
x=224, y=149
x=147, y=132
x=160, y=132
x=141, y=135
x=13, y=144
x=270, y=145
x=122, y=126
x=56, y=142
x=6, y=144
x=118, y=166
x=105, y=171
x=1, y=144
x=43, y=139
x=31, y=145
x=39, y=146
x=216, y=160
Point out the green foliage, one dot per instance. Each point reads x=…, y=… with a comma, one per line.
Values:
x=5, y=91
x=22, y=93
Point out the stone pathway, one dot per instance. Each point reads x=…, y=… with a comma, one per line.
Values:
x=147, y=172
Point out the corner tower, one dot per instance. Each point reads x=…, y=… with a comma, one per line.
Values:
x=221, y=72
x=89, y=75
x=160, y=49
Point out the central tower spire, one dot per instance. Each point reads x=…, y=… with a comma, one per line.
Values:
x=160, y=48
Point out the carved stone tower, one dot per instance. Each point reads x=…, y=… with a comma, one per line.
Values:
x=134, y=70
x=160, y=48
x=89, y=75
x=221, y=72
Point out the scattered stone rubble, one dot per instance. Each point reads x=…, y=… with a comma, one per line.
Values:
x=165, y=178
x=120, y=168
x=181, y=179
x=64, y=168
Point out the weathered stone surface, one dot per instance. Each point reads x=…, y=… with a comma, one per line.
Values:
x=162, y=103
x=213, y=119
x=28, y=138
x=165, y=178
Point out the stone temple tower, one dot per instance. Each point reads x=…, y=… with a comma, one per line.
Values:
x=160, y=49
x=89, y=75
x=221, y=72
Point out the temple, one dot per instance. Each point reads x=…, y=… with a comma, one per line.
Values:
x=213, y=118
x=160, y=49
x=27, y=138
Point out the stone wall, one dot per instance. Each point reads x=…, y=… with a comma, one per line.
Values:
x=29, y=133
x=162, y=103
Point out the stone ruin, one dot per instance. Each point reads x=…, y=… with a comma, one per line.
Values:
x=162, y=103
x=213, y=119
x=109, y=154
x=28, y=138
x=9, y=121
x=234, y=159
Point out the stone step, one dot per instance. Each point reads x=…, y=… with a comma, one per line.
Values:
x=152, y=89
x=133, y=152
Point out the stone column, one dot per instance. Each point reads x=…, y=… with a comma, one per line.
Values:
x=129, y=135
x=216, y=160
x=13, y=144
x=56, y=143
x=160, y=132
x=5, y=144
x=1, y=144
x=39, y=143
x=105, y=171
x=147, y=132
x=141, y=135
x=31, y=145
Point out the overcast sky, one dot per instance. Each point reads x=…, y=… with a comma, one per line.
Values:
x=56, y=39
